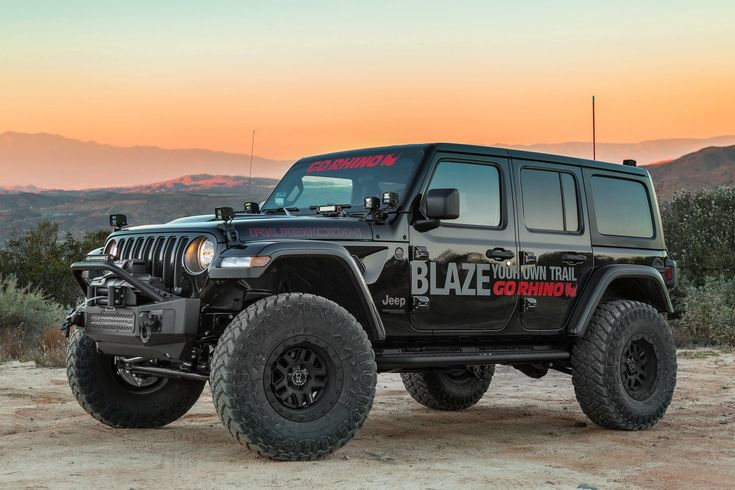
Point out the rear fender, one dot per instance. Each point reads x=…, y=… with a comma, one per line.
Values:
x=635, y=282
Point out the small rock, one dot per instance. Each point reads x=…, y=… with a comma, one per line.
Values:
x=587, y=486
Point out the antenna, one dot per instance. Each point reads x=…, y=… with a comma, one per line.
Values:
x=594, y=142
x=252, y=148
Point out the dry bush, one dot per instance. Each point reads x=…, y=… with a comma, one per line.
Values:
x=52, y=351
x=28, y=324
x=709, y=314
x=11, y=344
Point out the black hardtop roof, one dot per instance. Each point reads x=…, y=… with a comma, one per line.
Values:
x=488, y=151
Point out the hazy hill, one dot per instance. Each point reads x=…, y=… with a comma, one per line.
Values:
x=86, y=210
x=706, y=168
x=645, y=152
x=54, y=162
x=205, y=183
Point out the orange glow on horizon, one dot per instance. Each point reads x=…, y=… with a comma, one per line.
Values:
x=334, y=77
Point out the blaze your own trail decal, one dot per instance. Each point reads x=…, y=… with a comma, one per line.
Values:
x=466, y=279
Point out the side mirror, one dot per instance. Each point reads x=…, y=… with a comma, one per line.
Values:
x=442, y=204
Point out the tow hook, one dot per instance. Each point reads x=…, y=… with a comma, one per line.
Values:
x=75, y=317
x=148, y=325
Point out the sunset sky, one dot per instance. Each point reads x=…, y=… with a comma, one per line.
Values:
x=314, y=76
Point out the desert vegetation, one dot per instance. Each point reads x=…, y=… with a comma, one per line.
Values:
x=36, y=289
x=700, y=235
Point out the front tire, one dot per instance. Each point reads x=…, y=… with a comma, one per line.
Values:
x=293, y=377
x=449, y=389
x=624, y=366
x=122, y=400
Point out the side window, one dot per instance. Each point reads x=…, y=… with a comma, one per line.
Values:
x=549, y=201
x=622, y=207
x=479, y=191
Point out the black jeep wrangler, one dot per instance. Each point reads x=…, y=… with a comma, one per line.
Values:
x=434, y=261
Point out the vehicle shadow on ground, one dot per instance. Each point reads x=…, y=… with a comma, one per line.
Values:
x=482, y=427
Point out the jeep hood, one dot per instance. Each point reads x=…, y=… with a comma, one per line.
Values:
x=265, y=227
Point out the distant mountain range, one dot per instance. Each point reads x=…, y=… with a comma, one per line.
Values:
x=199, y=183
x=78, y=211
x=645, y=152
x=87, y=210
x=51, y=161
x=707, y=168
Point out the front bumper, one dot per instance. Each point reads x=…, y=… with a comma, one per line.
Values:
x=158, y=331
x=163, y=327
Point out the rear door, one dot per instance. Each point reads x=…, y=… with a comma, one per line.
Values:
x=457, y=269
x=554, y=241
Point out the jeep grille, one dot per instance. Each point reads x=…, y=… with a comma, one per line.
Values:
x=163, y=255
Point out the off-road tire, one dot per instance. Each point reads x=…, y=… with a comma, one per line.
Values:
x=107, y=398
x=439, y=389
x=245, y=370
x=601, y=356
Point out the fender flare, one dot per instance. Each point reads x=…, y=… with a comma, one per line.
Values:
x=305, y=249
x=600, y=281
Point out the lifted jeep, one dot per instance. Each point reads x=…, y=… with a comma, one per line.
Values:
x=434, y=261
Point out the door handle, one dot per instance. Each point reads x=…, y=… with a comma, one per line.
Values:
x=420, y=303
x=500, y=254
x=572, y=258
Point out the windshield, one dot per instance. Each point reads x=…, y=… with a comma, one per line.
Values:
x=344, y=181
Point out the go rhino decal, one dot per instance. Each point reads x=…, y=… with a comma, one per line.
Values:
x=467, y=279
x=386, y=160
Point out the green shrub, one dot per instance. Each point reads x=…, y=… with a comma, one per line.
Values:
x=700, y=233
x=24, y=316
x=709, y=313
x=38, y=258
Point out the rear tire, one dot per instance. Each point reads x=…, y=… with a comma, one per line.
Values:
x=116, y=399
x=293, y=377
x=449, y=389
x=624, y=366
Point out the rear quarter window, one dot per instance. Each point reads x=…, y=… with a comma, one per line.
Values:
x=622, y=207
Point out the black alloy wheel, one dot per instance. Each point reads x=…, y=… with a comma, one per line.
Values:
x=638, y=367
x=303, y=383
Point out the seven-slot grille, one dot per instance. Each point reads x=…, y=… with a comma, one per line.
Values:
x=163, y=255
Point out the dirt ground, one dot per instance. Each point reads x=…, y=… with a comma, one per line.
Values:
x=524, y=433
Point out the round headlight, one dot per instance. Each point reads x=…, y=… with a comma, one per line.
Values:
x=111, y=248
x=199, y=255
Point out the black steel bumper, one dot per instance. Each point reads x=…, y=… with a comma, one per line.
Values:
x=161, y=329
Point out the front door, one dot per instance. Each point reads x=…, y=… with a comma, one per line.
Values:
x=459, y=270
x=554, y=239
